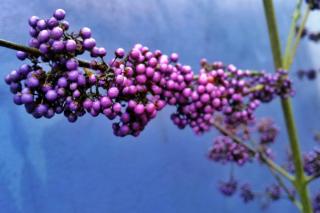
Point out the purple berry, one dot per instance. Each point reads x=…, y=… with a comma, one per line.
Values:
x=62, y=82
x=26, y=98
x=41, y=24
x=87, y=104
x=56, y=33
x=89, y=43
x=139, y=109
x=52, y=22
x=59, y=14
x=43, y=36
x=71, y=46
x=85, y=32
x=58, y=46
x=113, y=92
x=51, y=95
x=44, y=48
x=32, y=82
x=73, y=75
x=120, y=53
x=21, y=55
x=72, y=64
x=33, y=21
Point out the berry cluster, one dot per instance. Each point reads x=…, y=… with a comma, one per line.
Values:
x=267, y=131
x=63, y=88
x=233, y=92
x=228, y=188
x=312, y=161
x=133, y=86
x=146, y=81
x=225, y=150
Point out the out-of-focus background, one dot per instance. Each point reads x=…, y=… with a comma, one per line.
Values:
x=50, y=166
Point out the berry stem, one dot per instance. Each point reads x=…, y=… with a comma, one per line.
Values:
x=300, y=178
x=272, y=165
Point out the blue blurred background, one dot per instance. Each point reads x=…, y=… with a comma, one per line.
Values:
x=50, y=166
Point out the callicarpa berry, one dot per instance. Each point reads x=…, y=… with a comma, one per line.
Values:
x=59, y=14
x=21, y=55
x=71, y=46
x=120, y=52
x=85, y=32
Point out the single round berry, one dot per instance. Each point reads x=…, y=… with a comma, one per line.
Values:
x=33, y=21
x=58, y=46
x=41, y=24
x=43, y=36
x=56, y=33
x=72, y=64
x=120, y=53
x=85, y=32
x=71, y=46
x=21, y=55
x=113, y=92
x=139, y=109
x=89, y=43
x=33, y=82
x=59, y=14
x=51, y=95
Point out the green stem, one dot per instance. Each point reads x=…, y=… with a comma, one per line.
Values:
x=300, y=179
x=292, y=32
x=290, y=57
